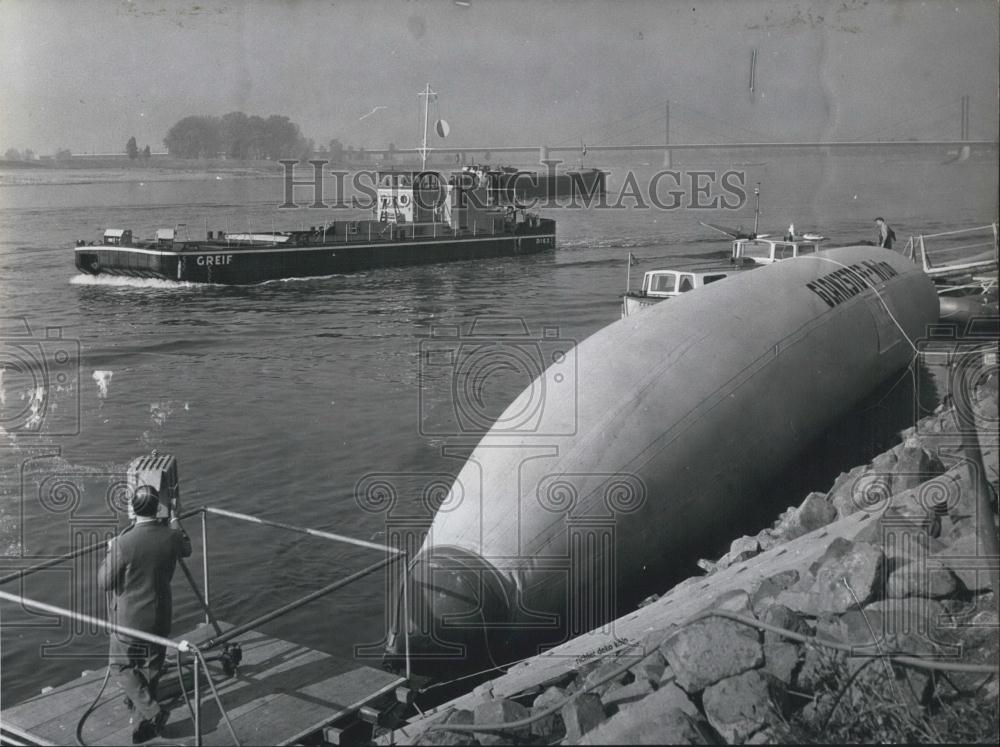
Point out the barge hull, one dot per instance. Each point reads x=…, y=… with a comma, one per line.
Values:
x=235, y=265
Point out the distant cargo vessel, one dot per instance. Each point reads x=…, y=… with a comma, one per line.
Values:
x=419, y=219
x=549, y=185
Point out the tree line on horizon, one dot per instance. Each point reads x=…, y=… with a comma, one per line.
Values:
x=239, y=136
x=236, y=136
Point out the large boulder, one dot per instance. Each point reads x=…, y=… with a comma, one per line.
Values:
x=741, y=549
x=603, y=671
x=712, y=649
x=781, y=660
x=964, y=558
x=670, y=726
x=914, y=465
x=772, y=586
x=459, y=716
x=549, y=727
x=842, y=494
x=873, y=486
x=847, y=576
x=780, y=616
x=917, y=580
x=651, y=668
x=739, y=706
x=915, y=625
x=622, y=695
x=668, y=696
x=814, y=512
x=581, y=715
x=980, y=641
x=500, y=711
x=666, y=716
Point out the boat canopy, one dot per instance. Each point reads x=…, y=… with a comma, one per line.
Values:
x=772, y=250
x=116, y=236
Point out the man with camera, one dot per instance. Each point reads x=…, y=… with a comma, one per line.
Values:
x=137, y=574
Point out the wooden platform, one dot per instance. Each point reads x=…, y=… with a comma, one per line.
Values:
x=282, y=693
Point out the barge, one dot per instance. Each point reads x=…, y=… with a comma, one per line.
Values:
x=418, y=219
x=586, y=184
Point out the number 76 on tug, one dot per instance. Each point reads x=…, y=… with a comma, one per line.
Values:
x=419, y=219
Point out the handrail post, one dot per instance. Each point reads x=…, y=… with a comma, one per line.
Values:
x=406, y=615
x=197, y=701
x=204, y=563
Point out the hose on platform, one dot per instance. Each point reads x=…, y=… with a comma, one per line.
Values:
x=91, y=708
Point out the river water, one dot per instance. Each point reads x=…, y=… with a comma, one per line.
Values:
x=288, y=399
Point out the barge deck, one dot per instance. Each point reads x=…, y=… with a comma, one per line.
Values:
x=283, y=693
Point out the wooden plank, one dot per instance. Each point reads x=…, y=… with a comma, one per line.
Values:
x=284, y=691
x=21, y=737
x=75, y=696
x=79, y=693
x=280, y=719
x=272, y=655
x=284, y=717
x=372, y=684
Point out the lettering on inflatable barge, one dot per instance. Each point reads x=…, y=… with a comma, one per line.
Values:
x=847, y=282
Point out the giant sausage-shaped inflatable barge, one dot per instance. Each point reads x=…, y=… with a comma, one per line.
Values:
x=669, y=423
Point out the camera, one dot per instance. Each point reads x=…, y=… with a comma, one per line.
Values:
x=39, y=381
x=157, y=471
x=497, y=376
x=957, y=366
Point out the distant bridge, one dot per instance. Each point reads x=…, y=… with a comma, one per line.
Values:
x=544, y=151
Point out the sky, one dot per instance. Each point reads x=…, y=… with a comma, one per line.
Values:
x=88, y=75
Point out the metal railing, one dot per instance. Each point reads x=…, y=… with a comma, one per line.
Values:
x=221, y=637
x=916, y=250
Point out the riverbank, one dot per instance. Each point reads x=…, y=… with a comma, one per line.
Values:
x=864, y=614
x=163, y=168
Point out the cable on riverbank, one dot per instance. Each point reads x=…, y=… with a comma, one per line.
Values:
x=902, y=659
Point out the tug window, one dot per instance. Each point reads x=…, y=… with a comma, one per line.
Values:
x=711, y=279
x=663, y=284
x=757, y=250
x=686, y=285
x=784, y=251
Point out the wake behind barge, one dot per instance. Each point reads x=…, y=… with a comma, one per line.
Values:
x=419, y=219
